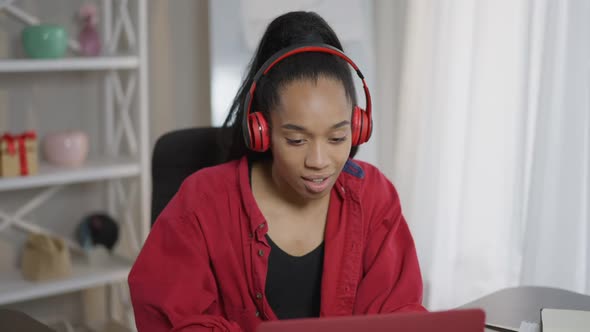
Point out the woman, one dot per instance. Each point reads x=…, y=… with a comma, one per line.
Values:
x=291, y=226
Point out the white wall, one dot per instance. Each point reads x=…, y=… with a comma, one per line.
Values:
x=179, y=65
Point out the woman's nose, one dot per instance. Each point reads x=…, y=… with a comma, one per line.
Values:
x=316, y=156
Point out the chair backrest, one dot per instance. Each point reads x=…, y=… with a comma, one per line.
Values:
x=177, y=155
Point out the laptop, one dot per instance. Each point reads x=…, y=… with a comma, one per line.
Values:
x=467, y=320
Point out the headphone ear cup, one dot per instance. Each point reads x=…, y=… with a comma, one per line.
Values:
x=362, y=126
x=356, y=125
x=367, y=128
x=259, y=132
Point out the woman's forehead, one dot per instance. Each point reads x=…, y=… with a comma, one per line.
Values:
x=314, y=99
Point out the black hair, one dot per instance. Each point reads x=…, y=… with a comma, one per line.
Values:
x=293, y=28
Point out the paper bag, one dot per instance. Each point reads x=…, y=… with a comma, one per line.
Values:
x=45, y=258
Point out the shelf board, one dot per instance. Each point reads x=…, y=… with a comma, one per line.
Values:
x=68, y=64
x=92, y=171
x=14, y=288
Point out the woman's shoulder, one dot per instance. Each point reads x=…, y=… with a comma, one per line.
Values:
x=365, y=173
x=210, y=181
x=370, y=182
x=202, y=188
x=377, y=195
x=213, y=176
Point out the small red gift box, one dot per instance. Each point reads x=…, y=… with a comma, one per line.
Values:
x=18, y=154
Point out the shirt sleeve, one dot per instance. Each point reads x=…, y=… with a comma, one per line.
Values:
x=391, y=280
x=171, y=283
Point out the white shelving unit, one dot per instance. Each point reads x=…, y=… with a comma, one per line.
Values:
x=92, y=171
x=69, y=64
x=14, y=289
x=126, y=121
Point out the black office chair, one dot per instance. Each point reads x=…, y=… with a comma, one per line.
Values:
x=177, y=155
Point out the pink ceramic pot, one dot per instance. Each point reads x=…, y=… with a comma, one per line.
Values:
x=66, y=148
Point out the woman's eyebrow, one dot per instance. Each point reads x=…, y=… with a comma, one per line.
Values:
x=341, y=124
x=290, y=126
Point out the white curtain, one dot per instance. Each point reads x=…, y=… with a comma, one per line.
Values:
x=491, y=151
x=556, y=246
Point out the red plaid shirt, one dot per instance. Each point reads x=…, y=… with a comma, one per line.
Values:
x=203, y=266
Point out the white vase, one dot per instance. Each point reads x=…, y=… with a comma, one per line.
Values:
x=66, y=148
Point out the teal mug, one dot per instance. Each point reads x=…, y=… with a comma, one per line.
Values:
x=45, y=41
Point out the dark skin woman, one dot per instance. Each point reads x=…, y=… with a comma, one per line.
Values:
x=291, y=226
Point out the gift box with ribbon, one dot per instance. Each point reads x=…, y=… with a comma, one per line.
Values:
x=18, y=154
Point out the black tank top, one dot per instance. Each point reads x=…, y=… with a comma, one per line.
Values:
x=293, y=284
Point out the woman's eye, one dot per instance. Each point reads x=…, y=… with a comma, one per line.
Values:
x=294, y=141
x=338, y=139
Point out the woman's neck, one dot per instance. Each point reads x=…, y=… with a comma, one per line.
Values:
x=271, y=187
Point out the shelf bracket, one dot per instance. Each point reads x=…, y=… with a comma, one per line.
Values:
x=122, y=22
x=123, y=101
x=126, y=202
x=17, y=220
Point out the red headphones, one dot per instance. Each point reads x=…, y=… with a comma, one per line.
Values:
x=255, y=126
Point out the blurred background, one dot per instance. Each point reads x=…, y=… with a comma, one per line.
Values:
x=481, y=107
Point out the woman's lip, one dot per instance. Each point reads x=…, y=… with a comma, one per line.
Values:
x=311, y=178
x=316, y=187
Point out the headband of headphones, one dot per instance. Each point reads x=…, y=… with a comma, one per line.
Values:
x=287, y=52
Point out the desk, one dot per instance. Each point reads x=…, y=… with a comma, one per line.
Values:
x=511, y=306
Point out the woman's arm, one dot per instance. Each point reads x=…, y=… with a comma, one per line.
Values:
x=171, y=283
x=391, y=274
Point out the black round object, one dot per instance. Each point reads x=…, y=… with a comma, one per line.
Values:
x=98, y=229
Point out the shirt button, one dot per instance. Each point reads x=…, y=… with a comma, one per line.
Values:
x=258, y=296
x=261, y=253
x=261, y=225
x=257, y=313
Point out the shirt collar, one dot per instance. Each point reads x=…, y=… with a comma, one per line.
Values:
x=348, y=182
x=255, y=216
